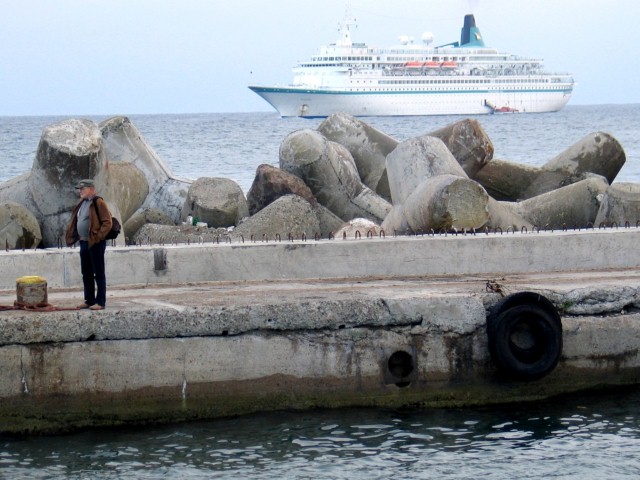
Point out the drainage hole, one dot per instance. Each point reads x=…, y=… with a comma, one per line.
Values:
x=400, y=364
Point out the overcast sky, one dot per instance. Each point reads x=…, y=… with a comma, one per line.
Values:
x=104, y=57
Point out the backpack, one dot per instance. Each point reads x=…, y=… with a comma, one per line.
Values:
x=115, y=225
x=115, y=229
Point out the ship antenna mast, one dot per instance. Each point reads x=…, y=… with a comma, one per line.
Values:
x=344, y=28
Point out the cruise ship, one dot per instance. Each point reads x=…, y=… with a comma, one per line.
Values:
x=465, y=77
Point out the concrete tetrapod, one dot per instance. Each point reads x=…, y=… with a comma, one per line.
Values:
x=290, y=215
x=505, y=216
x=505, y=180
x=444, y=202
x=469, y=144
x=124, y=143
x=416, y=159
x=368, y=146
x=271, y=183
x=68, y=152
x=218, y=202
x=142, y=217
x=573, y=206
x=597, y=153
x=18, y=227
x=330, y=172
x=620, y=204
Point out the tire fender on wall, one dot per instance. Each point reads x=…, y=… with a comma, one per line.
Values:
x=525, y=336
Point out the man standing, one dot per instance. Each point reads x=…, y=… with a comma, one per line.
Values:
x=90, y=222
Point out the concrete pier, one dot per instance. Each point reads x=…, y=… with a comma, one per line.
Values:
x=207, y=259
x=211, y=330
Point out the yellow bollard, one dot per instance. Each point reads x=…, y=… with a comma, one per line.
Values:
x=31, y=291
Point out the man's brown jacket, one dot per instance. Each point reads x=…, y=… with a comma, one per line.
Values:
x=99, y=222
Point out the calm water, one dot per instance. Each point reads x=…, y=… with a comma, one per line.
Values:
x=581, y=437
x=586, y=437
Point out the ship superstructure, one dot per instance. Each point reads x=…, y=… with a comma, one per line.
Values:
x=464, y=77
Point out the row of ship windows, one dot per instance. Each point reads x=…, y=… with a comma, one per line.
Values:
x=405, y=59
x=555, y=87
x=485, y=80
x=459, y=81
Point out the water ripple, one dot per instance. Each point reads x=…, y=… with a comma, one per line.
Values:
x=599, y=438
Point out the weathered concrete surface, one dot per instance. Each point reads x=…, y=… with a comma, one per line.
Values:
x=505, y=180
x=127, y=186
x=445, y=202
x=358, y=228
x=331, y=173
x=244, y=327
x=113, y=154
x=271, y=183
x=123, y=143
x=469, y=144
x=225, y=348
x=503, y=215
x=68, y=151
x=290, y=213
x=597, y=154
x=217, y=201
x=620, y=204
x=18, y=227
x=578, y=203
x=415, y=160
x=368, y=146
x=205, y=259
x=142, y=217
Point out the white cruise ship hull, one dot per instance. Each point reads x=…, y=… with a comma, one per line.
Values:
x=457, y=78
x=297, y=102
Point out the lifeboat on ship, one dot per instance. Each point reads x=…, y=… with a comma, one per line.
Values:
x=503, y=109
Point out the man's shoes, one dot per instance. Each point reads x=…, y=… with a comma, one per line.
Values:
x=96, y=307
x=83, y=305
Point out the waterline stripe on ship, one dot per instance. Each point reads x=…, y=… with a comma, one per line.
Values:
x=403, y=92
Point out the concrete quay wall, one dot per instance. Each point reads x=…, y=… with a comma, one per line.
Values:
x=491, y=254
x=211, y=350
x=316, y=324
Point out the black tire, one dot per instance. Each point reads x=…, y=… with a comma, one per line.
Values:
x=525, y=340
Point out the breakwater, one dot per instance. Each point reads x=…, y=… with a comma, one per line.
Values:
x=209, y=330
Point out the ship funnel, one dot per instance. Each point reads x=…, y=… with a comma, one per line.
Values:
x=470, y=36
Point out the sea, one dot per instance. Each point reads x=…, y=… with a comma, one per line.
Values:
x=233, y=145
x=590, y=435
